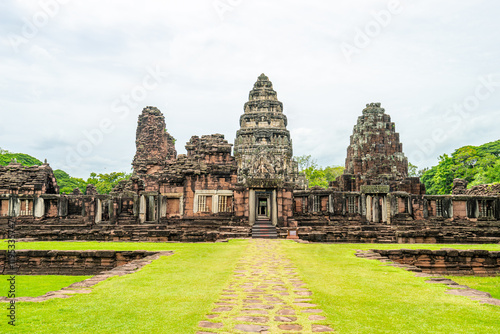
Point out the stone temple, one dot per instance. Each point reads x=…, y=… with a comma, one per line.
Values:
x=217, y=191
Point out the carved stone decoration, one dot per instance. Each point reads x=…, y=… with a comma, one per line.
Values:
x=155, y=146
x=263, y=149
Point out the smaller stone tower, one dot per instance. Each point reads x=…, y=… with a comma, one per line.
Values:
x=375, y=155
x=154, y=145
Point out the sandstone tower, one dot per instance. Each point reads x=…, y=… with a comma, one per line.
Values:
x=375, y=155
x=154, y=145
x=263, y=148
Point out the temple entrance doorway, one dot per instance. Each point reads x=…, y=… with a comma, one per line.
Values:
x=263, y=206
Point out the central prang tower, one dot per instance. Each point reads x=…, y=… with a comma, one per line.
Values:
x=263, y=148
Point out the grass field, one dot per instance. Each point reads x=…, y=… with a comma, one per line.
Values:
x=364, y=296
x=34, y=286
x=173, y=294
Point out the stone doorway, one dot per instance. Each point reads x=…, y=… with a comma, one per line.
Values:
x=263, y=206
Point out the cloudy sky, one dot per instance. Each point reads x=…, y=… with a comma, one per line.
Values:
x=76, y=74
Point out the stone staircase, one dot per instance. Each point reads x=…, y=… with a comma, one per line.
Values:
x=264, y=229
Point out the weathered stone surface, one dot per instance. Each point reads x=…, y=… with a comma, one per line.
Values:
x=154, y=144
x=375, y=155
x=208, y=324
x=284, y=319
x=263, y=148
x=18, y=179
x=290, y=327
x=252, y=319
x=251, y=328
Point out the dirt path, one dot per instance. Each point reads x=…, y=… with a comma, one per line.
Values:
x=265, y=296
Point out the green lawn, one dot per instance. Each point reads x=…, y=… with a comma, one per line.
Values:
x=364, y=296
x=171, y=295
x=174, y=293
x=486, y=284
x=34, y=286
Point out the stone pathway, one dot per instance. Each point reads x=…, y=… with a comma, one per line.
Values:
x=265, y=295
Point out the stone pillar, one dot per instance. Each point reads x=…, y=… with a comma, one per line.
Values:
x=330, y=204
x=369, y=208
x=376, y=209
x=251, y=206
x=363, y=205
x=181, y=206
x=136, y=206
x=151, y=208
x=98, y=210
x=38, y=207
x=142, y=209
x=14, y=206
x=274, y=208
x=384, y=209
x=62, y=206
x=163, y=206
x=215, y=203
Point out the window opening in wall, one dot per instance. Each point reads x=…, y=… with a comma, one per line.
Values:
x=316, y=204
x=351, y=205
x=486, y=209
x=406, y=205
x=439, y=208
x=26, y=208
x=202, y=203
x=224, y=203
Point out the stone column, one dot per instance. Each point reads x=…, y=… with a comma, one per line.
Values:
x=376, y=209
x=363, y=204
x=62, y=206
x=369, y=208
x=330, y=204
x=38, y=207
x=98, y=211
x=151, y=208
x=384, y=209
x=251, y=206
x=142, y=209
x=274, y=208
x=14, y=206
x=181, y=206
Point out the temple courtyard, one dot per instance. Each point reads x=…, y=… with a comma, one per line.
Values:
x=252, y=286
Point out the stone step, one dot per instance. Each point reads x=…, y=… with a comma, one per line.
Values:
x=264, y=229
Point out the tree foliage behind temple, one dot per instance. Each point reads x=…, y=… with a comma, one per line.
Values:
x=316, y=175
x=475, y=164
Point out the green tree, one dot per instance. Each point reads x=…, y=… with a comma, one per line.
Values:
x=316, y=175
x=104, y=183
x=24, y=159
x=475, y=164
x=67, y=183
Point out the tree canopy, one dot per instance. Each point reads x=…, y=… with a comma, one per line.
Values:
x=475, y=164
x=24, y=159
x=316, y=175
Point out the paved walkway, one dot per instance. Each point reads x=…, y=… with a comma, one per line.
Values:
x=265, y=296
